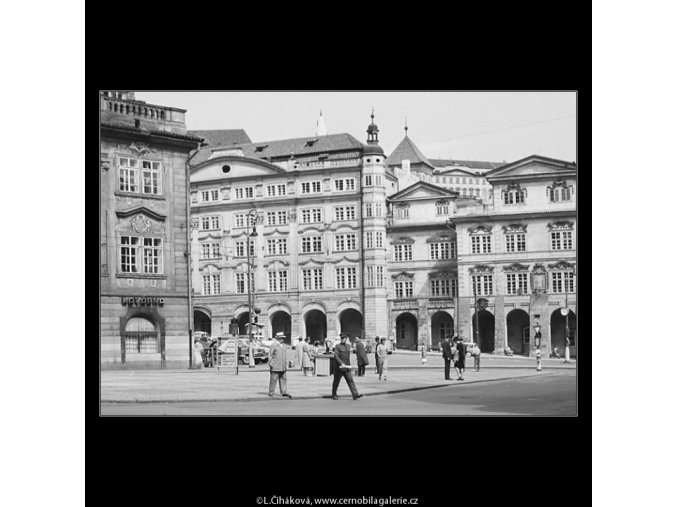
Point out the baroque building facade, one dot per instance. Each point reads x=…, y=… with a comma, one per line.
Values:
x=143, y=232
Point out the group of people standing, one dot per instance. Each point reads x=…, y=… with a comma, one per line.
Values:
x=455, y=351
x=305, y=353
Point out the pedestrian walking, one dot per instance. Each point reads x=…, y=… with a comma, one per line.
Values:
x=461, y=351
x=476, y=357
x=382, y=354
x=197, y=355
x=377, y=342
x=307, y=358
x=299, y=352
x=362, y=358
x=342, y=369
x=277, y=360
x=447, y=355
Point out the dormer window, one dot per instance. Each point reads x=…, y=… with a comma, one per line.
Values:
x=514, y=194
x=442, y=207
x=560, y=191
x=310, y=143
x=259, y=149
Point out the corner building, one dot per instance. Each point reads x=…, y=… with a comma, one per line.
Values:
x=144, y=234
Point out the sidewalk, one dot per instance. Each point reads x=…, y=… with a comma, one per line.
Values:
x=251, y=384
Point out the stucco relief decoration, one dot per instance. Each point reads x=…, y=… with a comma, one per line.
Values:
x=105, y=163
x=516, y=266
x=438, y=239
x=140, y=224
x=560, y=226
x=292, y=215
x=480, y=229
x=403, y=276
x=194, y=224
x=141, y=149
x=561, y=265
x=539, y=279
x=481, y=269
x=402, y=241
x=442, y=274
x=442, y=202
x=514, y=228
x=403, y=205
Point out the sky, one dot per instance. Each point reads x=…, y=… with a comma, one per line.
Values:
x=489, y=126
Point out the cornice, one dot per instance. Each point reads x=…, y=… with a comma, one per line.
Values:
x=140, y=209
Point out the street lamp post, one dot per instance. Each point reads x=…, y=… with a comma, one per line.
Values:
x=537, y=343
x=250, y=216
x=565, y=312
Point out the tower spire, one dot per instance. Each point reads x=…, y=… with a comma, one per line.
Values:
x=321, y=128
x=405, y=126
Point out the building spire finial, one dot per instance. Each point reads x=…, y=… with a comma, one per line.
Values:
x=372, y=114
x=405, y=126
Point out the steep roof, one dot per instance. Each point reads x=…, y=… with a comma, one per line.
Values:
x=407, y=150
x=222, y=137
x=472, y=164
x=302, y=146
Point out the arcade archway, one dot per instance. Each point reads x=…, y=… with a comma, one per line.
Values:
x=517, y=322
x=441, y=325
x=202, y=322
x=351, y=323
x=483, y=327
x=558, y=324
x=280, y=322
x=406, y=331
x=316, y=325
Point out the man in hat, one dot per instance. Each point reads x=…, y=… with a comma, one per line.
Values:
x=342, y=368
x=277, y=360
x=447, y=354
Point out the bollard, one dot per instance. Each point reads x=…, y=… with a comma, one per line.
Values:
x=538, y=360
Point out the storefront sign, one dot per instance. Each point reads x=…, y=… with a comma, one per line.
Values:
x=227, y=355
x=143, y=301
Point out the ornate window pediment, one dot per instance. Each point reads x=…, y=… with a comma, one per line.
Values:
x=442, y=274
x=481, y=269
x=209, y=269
x=439, y=239
x=403, y=276
x=516, y=266
x=559, y=191
x=480, y=229
x=442, y=202
x=513, y=194
x=512, y=228
x=564, y=225
x=402, y=205
x=402, y=241
x=561, y=265
x=312, y=262
x=277, y=264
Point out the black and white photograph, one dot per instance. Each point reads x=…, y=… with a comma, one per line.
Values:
x=338, y=253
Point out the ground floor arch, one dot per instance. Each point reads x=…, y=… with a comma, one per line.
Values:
x=406, y=331
x=202, y=321
x=316, y=325
x=483, y=328
x=350, y=323
x=519, y=332
x=243, y=323
x=441, y=325
x=280, y=322
x=558, y=325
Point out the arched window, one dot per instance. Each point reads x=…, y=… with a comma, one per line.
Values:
x=140, y=336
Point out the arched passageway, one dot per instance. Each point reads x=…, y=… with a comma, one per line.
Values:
x=517, y=322
x=202, y=322
x=406, y=331
x=280, y=322
x=441, y=325
x=558, y=325
x=483, y=326
x=316, y=325
x=351, y=323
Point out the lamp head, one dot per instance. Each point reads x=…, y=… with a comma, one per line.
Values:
x=254, y=233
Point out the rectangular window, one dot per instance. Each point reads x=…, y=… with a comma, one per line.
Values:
x=379, y=180
x=345, y=242
x=129, y=246
x=346, y=278
x=402, y=253
x=440, y=251
x=486, y=244
x=277, y=246
x=146, y=172
x=562, y=281
x=442, y=209
x=404, y=290
x=152, y=255
x=344, y=185
x=517, y=283
x=482, y=285
x=368, y=180
x=128, y=175
x=209, y=223
x=211, y=284
x=210, y=251
x=380, y=277
x=369, y=211
x=344, y=213
x=309, y=216
x=150, y=175
x=515, y=243
x=244, y=193
x=379, y=240
x=312, y=279
x=440, y=287
x=561, y=240
x=370, y=240
x=311, y=244
x=241, y=248
x=402, y=212
x=276, y=218
x=140, y=257
x=276, y=190
x=475, y=243
x=277, y=281
x=240, y=284
x=378, y=209
x=311, y=187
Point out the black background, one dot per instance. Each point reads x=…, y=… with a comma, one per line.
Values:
x=509, y=459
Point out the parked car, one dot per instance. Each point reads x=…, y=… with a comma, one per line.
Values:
x=260, y=352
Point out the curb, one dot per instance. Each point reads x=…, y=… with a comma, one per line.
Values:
x=279, y=398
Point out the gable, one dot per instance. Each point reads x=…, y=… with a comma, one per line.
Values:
x=423, y=190
x=533, y=167
x=224, y=168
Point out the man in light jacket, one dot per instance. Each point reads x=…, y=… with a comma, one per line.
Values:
x=277, y=360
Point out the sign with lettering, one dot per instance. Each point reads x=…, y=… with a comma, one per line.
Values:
x=143, y=301
x=227, y=355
